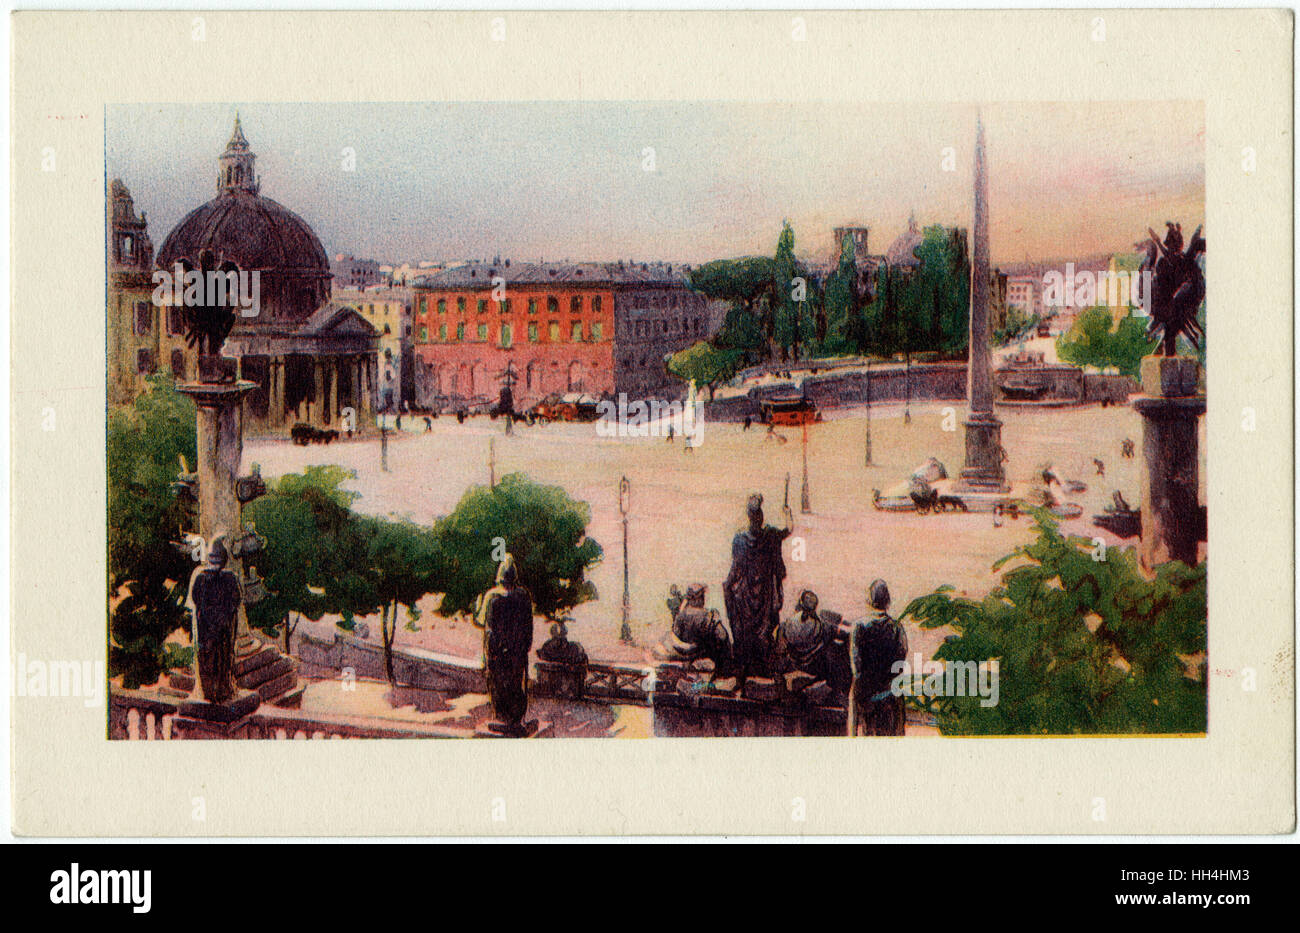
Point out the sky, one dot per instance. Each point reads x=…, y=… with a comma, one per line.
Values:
x=677, y=181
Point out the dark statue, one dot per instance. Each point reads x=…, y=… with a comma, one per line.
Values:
x=698, y=633
x=215, y=595
x=1177, y=287
x=876, y=644
x=811, y=646
x=506, y=615
x=754, y=591
x=208, y=325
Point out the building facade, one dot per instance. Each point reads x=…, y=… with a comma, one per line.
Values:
x=141, y=338
x=352, y=273
x=597, y=328
x=388, y=310
x=312, y=358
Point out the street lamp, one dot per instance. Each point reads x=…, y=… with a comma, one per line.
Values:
x=624, y=505
x=867, y=461
x=805, y=500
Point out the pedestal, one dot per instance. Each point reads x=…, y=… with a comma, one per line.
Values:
x=982, y=472
x=243, y=703
x=1171, y=513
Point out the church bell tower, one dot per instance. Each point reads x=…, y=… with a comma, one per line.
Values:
x=235, y=166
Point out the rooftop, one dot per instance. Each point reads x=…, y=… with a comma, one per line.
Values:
x=480, y=274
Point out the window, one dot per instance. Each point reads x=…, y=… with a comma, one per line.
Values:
x=482, y=332
x=424, y=333
x=460, y=305
x=424, y=305
x=597, y=331
x=143, y=318
x=532, y=332
x=442, y=305
x=144, y=361
x=575, y=304
x=595, y=305
x=460, y=331
x=178, y=363
x=552, y=306
x=504, y=305
x=506, y=337
x=482, y=306
x=175, y=322
x=553, y=331
x=532, y=305
x=442, y=332
x=575, y=331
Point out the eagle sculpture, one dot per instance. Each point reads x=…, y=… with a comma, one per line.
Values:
x=208, y=323
x=1177, y=287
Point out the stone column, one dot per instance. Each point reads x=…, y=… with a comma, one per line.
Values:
x=220, y=450
x=1170, y=406
x=367, y=398
x=332, y=390
x=982, y=471
x=318, y=401
x=276, y=401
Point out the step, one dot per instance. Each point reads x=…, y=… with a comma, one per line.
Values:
x=259, y=658
x=267, y=672
x=282, y=684
x=292, y=699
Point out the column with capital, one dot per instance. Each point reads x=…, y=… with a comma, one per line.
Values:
x=219, y=422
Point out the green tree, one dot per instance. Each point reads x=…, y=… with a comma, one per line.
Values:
x=306, y=521
x=400, y=564
x=935, y=296
x=705, y=364
x=148, y=574
x=1083, y=645
x=787, y=312
x=843, y=301
x=746, y=284
x=541, y=526
x=1092, y=341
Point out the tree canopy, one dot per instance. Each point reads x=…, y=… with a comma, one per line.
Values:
x=1083, y=645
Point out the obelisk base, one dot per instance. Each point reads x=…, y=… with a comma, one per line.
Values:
x=983, y=471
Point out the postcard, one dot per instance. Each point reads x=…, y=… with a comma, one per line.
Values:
x=750, y=422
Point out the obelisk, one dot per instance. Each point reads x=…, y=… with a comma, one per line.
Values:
x=982, y=471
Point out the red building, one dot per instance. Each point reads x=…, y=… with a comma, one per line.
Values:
x=599, y=328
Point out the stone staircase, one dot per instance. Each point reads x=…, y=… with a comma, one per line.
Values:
x=266, y=669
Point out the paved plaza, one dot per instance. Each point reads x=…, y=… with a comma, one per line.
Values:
x=686, y=506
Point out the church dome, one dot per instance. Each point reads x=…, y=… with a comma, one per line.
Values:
x=252, y=231
x=256, y=234
x=902, y=252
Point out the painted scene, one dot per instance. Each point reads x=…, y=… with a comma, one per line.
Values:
x=532, y=420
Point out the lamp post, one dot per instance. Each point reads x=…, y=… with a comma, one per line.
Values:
x=805, y=500
x=624, y=505
x=867, y=460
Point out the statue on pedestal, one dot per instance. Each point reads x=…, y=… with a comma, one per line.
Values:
x=214, y=597
x=1177, y=287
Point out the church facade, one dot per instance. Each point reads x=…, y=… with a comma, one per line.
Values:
x=312, y=358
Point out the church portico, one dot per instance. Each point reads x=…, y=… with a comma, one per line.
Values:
x=311, y=377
